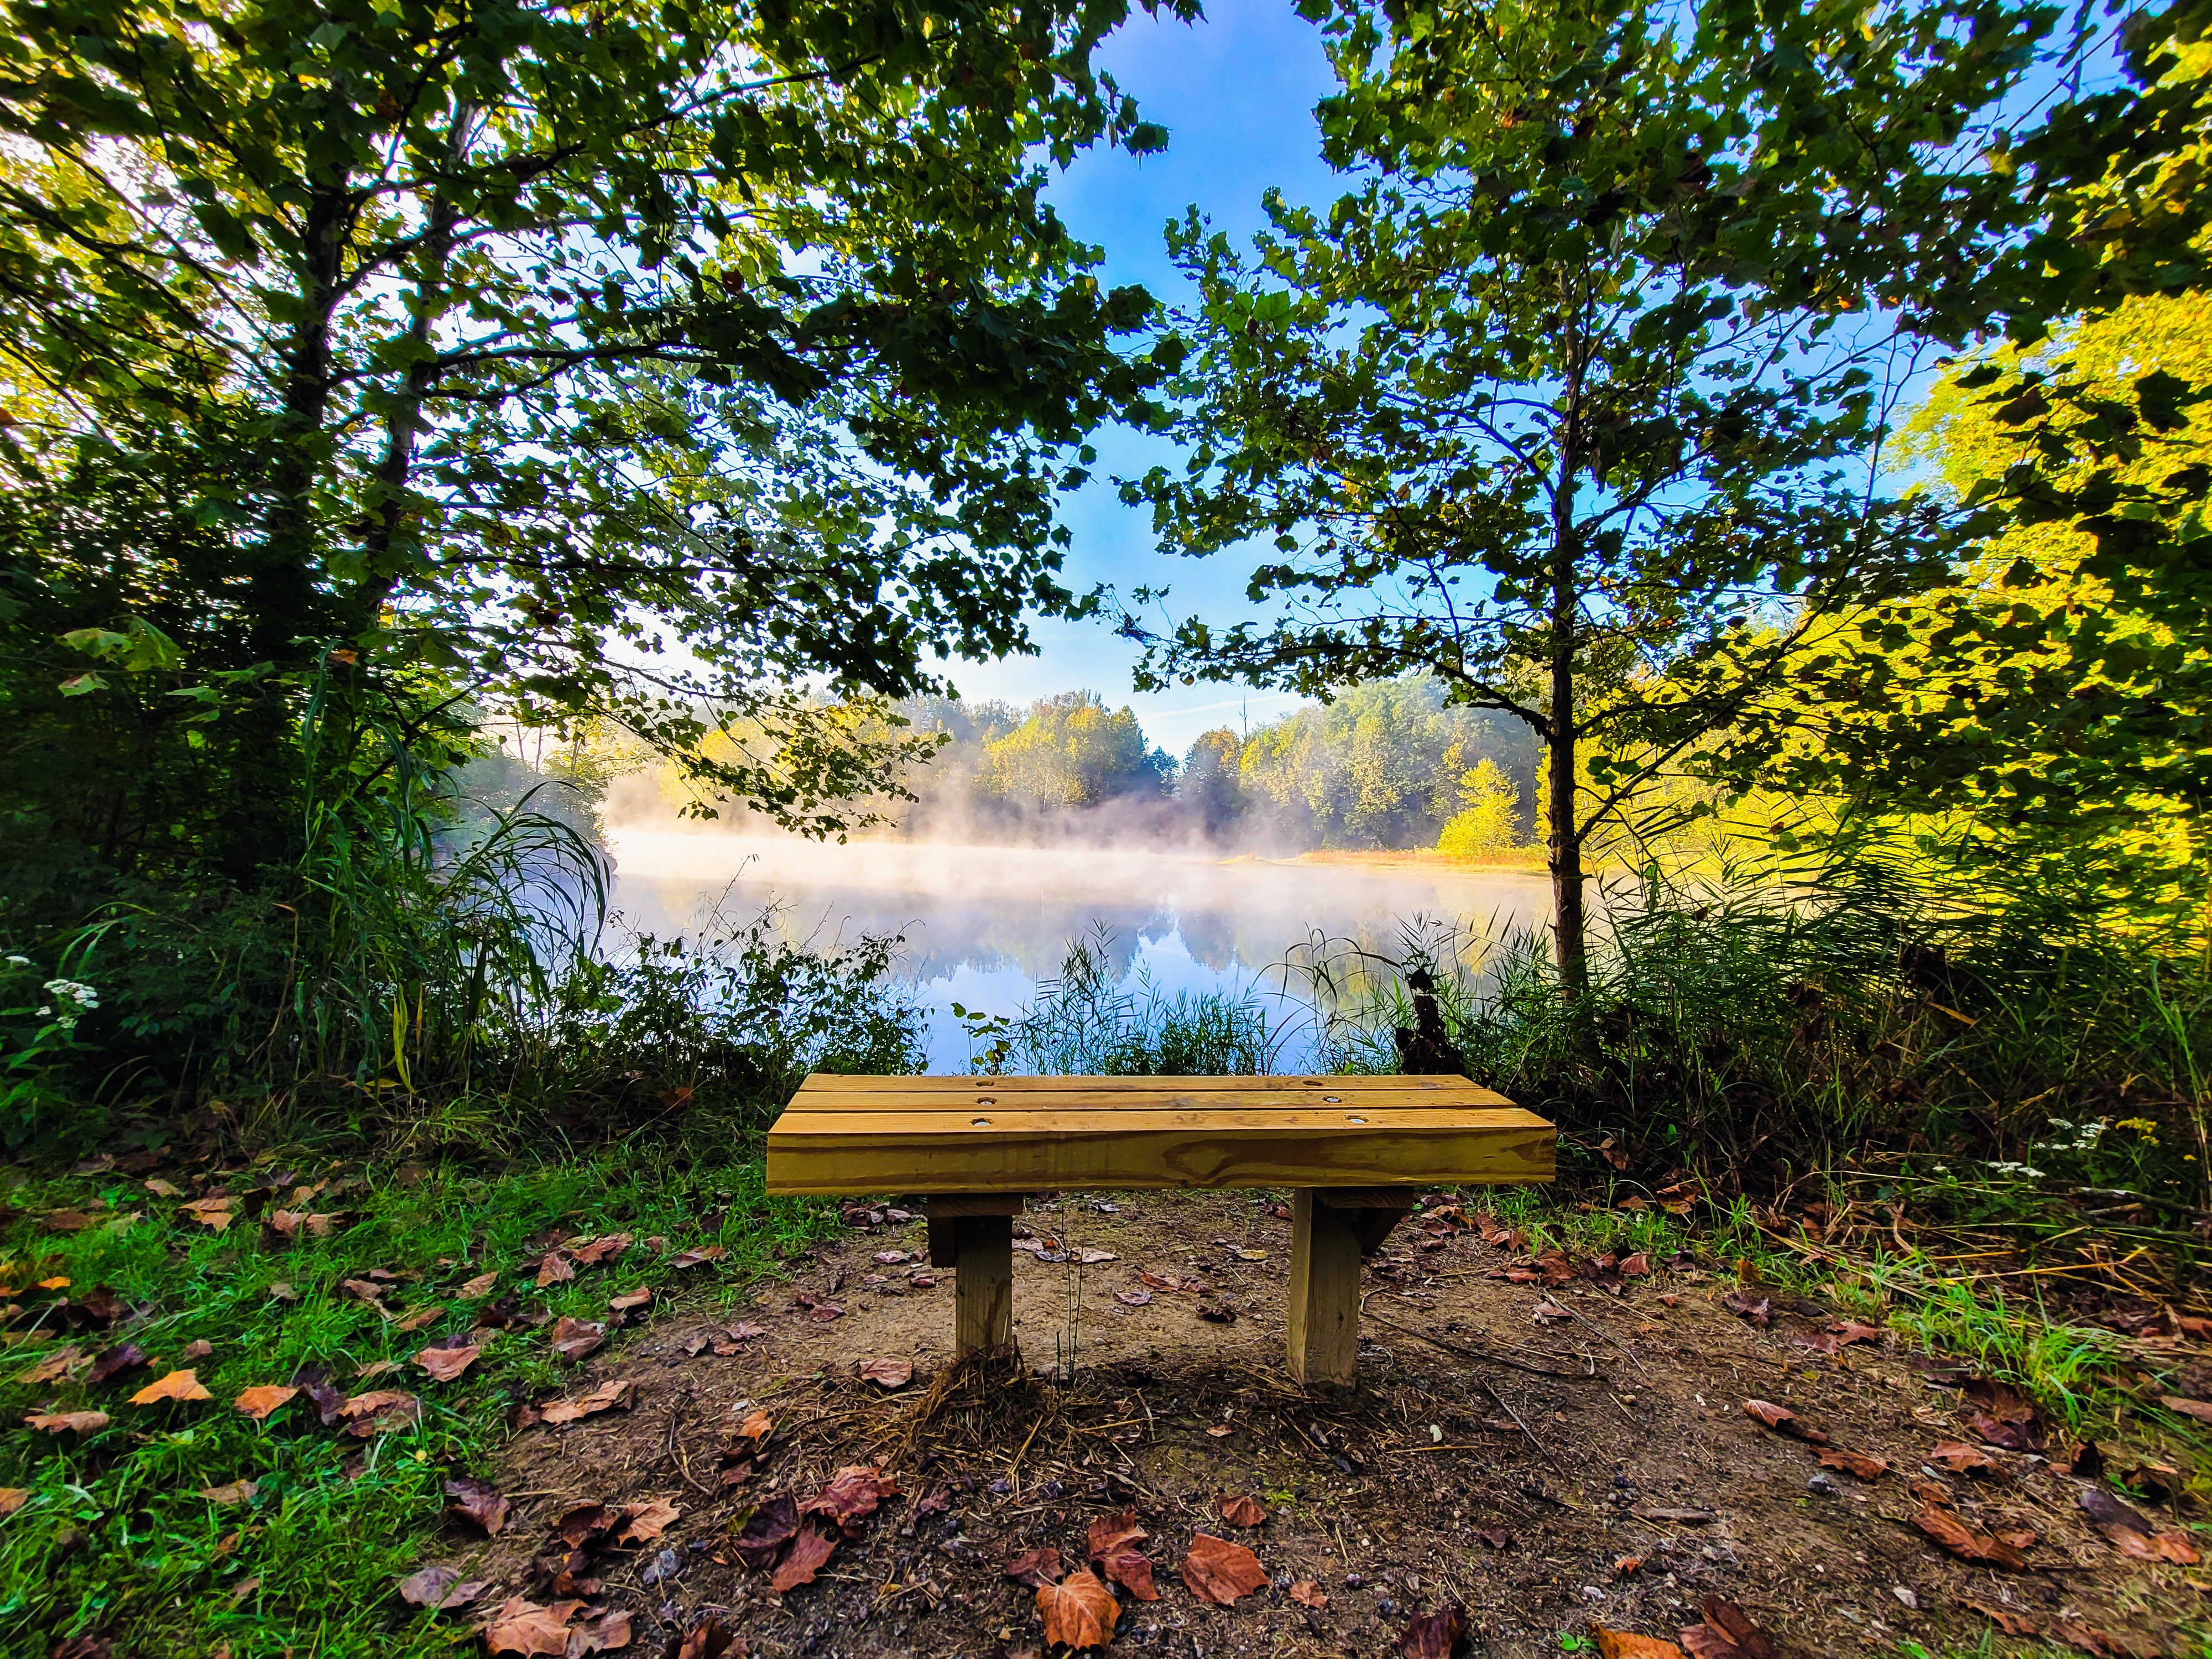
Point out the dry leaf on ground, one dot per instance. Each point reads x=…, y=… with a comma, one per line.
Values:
x=1854, y=1463
x=603, y=1249
x=13, y=1498
x=1434, y=1635
x=124, y=1357
x=851, y=1495
x=766, y=1530
x=1219, y=1571
x=1078, y=1612
x=70, y=1422
x=603, y=1398
x=1783, y=1420
x=554, y=1269
x=887, y=1373
x=234, y=1492
x=478, y=1501
x=646, y=1520
x=176, y=1385
x=693, y=1258
x=1242, y=1510
x=524, y=1627
x=1113, y=1543
x=1962, y=1459
x=1755, y=1309
x=54, y=1367
x=441, y=1588
x=444, y=1364
x=215, y=1214
x=1964, y=1542
x=425, y=1315
x=1626, y=1644
x=573, y=1339
x=756, y=1427
x=1733, y=1628
x=1036, y=1568
x=607, y=1628
x=481, y=1285
x=808, y=1554
x=380, y=1411
x=1308, y=1594
x=630, y=1301
x=258, y=1403
x=709, y=1641
x=2012, y=1624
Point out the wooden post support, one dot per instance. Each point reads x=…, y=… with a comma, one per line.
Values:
x=975, y=1237
x=1324, y=1290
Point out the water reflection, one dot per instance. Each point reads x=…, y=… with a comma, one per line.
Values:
x=982, y=925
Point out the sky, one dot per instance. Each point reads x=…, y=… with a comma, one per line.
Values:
x=1235, y=93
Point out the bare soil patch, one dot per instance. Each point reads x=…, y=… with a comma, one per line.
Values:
x=1625, y=1487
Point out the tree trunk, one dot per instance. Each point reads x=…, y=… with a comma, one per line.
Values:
x=1563, y=845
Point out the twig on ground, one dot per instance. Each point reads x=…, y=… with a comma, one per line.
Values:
x=1487, y=1356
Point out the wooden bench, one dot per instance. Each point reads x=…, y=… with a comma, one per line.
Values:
x=1354, y=1150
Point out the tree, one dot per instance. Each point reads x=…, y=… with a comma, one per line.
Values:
x=1578, y=401
x=1075, y=751
x=650, y=358
x=1208, y=786
x=1486, y=822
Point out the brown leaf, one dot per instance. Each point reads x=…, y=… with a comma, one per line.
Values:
x=1036, y=1568
x=1078, y=1612
x=887, y=1373
x=1119, y=1530
x=1308, y=1594
x=214, y=1213
x=808, y=1552
x=1732, y=1622
x=851, y=1495
x=1963, y=1541
x=766, y=1530
x=645, y=1521
x=380, y=1411
x=1851, y=1331
x=1219, y=1571
x=693, y=1258
x=1962, y=1459
x=1702, y=1641
x=2151, y=1546
x=440, y=1589
x=445, y=1364
x=2199, y=1409
x=425, y=1315
x=1626, y=1645
x=481, y=1285
x=1242, y=1510
x=12, y=1500
x=604, y=1397
x=67, y=1221
x=283, y=1291
x=124, y=1357
x=55, y=1366
x=2012, y=1624
x=607, y=1628
x=162, y=1188
x=581, y=1522
x=1783, y=1420
x=236, y=1492
x=630, y=1301
x=366, y=1288
x=573, y=1339
x=555, y=1269
x=1637, y=1266
x=756, y=1427
x=176, y=1385
x=603, y=1249
x=1434, y=1635
x=1754, y=1308
x=1855, y=1463
x=478, y=1501
x=70, y=1422
x=710, y=1641
x=1137, y=1299
x=524, y=1627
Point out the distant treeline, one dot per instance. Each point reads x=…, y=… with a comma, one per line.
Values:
x=1388, y=765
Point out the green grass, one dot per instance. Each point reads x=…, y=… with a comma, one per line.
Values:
x=114, y=1537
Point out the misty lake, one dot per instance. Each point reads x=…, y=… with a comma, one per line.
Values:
x=983, y=925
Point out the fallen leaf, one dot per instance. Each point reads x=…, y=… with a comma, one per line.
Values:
x=709, y=1641
x=2012, y=1624
x=603, y=1398
x=423, y=1315
x=70, y=1422
x=822, y=1312
x=642, y=1523
x=554, y=1269
x=1962, y=1459
x=887, y=1373
x=283, y=1291
x=523, y=1627
x=1851, y=1331
x=55, y=1366
x=1036, y=1568
x=2199, y=1409
x=630, y=1301
x=214, y=1213
x=176, y=1385
x=13, y=1498
x=756, y=1427
x=1754, y=1308
x=1078, y=1612
x=1735, y=1626
x=892, y=1258
x=481, y=1285
x=573, y=1339
x=1783, y=1420
x=1434, y=1635
x=162, y=1188
x=1219, y=1571
x=851, y=1495
x=1637, y=1266
x=1218, y=1316
x=376, y=1368
x=380, y=1411
x=1963, y=1541
x=744, y=1331
x=693, y=1258
x=603, y=1249
x=236, y=1492
x=1855, y=1463
x=2151, y=1546
x=581, y=1522
x=1243, y=1512
x=1548, y=1312
x=67, y=1221
x=1112, y=1541
x=766, y=1530
x=478, y=1501
x=605, y=1629
x=1308, y=1594
x=444, y=1364
x=808, y=1552
x=1138, y=1298
x=441, y=1588
x=1626, y=1645
x=366, y=1288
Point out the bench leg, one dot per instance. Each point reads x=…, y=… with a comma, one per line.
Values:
x=1324, y=1290
x=983, y=1286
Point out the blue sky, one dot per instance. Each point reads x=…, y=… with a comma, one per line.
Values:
x=1235, y=93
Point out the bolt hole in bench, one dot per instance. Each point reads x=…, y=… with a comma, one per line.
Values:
x=1354, y=1152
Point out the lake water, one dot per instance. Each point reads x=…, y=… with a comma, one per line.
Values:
x=983, y=925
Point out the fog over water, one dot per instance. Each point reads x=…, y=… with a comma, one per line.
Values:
x=983, y=925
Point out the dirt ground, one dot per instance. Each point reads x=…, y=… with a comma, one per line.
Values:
x=1622, y=1491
